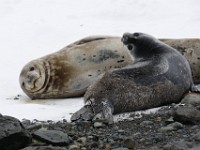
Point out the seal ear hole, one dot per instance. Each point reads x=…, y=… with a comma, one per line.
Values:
x=31, y=68
x=89, y=75
x=136, y=34
x=23, y=84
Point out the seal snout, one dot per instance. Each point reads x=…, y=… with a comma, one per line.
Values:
x=129, y=39
x=125, y=38
x=32, y=77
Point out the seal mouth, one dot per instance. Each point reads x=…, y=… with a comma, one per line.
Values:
x=34, y=76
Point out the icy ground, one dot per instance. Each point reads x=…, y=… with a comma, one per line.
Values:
x=30, y=29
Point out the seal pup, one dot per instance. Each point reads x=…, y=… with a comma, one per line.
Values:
x=68, y=72
x=160, y=76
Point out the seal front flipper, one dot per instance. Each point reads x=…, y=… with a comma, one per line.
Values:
x=106, y=115
x=91, y=111
x=85, y=113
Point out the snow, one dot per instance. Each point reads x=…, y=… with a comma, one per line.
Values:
x=30, y=29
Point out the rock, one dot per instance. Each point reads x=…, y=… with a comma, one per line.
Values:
x=44, y=148
x=146, y=123
x=192, y=99
x=195, y=147
x=120, y=148
x=82, y=140
x=26, y=122
x=187, y=115
x=196, y=137
x=177, y=145
x=12, y=134
x=83, y=124
x=170, y=120
x=53, y=137
x=129, y=143
x=74, y=147
x=99, y=124
x=34, y=127
x=172, y=127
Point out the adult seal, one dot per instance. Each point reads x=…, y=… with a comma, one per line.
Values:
x=69, y=71
x=160, y=75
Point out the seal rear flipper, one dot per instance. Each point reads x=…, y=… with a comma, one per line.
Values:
x=85, y=113
x=195, y=88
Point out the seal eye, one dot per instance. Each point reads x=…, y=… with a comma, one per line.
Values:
x=31, y=68
x=136, y=34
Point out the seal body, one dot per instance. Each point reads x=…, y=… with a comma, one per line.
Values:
x=68, y=72
x=160, y=75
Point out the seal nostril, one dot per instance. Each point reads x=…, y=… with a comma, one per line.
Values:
x=130, y=47
x=31, y=68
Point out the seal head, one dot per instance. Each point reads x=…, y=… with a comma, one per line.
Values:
x=34, y=77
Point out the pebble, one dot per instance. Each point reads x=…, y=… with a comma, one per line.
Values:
x=192, y=99
x=129, y=143
x=82, y=140
x=177, y=145
x=171, y=127
x=120, y=148
x=74, y=147
x=146, y=123
x=99, y=124
x=44, y=148
x=196, y=137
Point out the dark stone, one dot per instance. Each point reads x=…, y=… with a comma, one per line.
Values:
x=53, y=137
x=44, y=148
x=187, y=115
x=172, y=127
x=196, y=137
x=34, y=127
x=26, y=122
x=129, y=143
x=120, y=148
x=13, y=135
x=146, y=123
x=177, y=145
x=195, y=147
